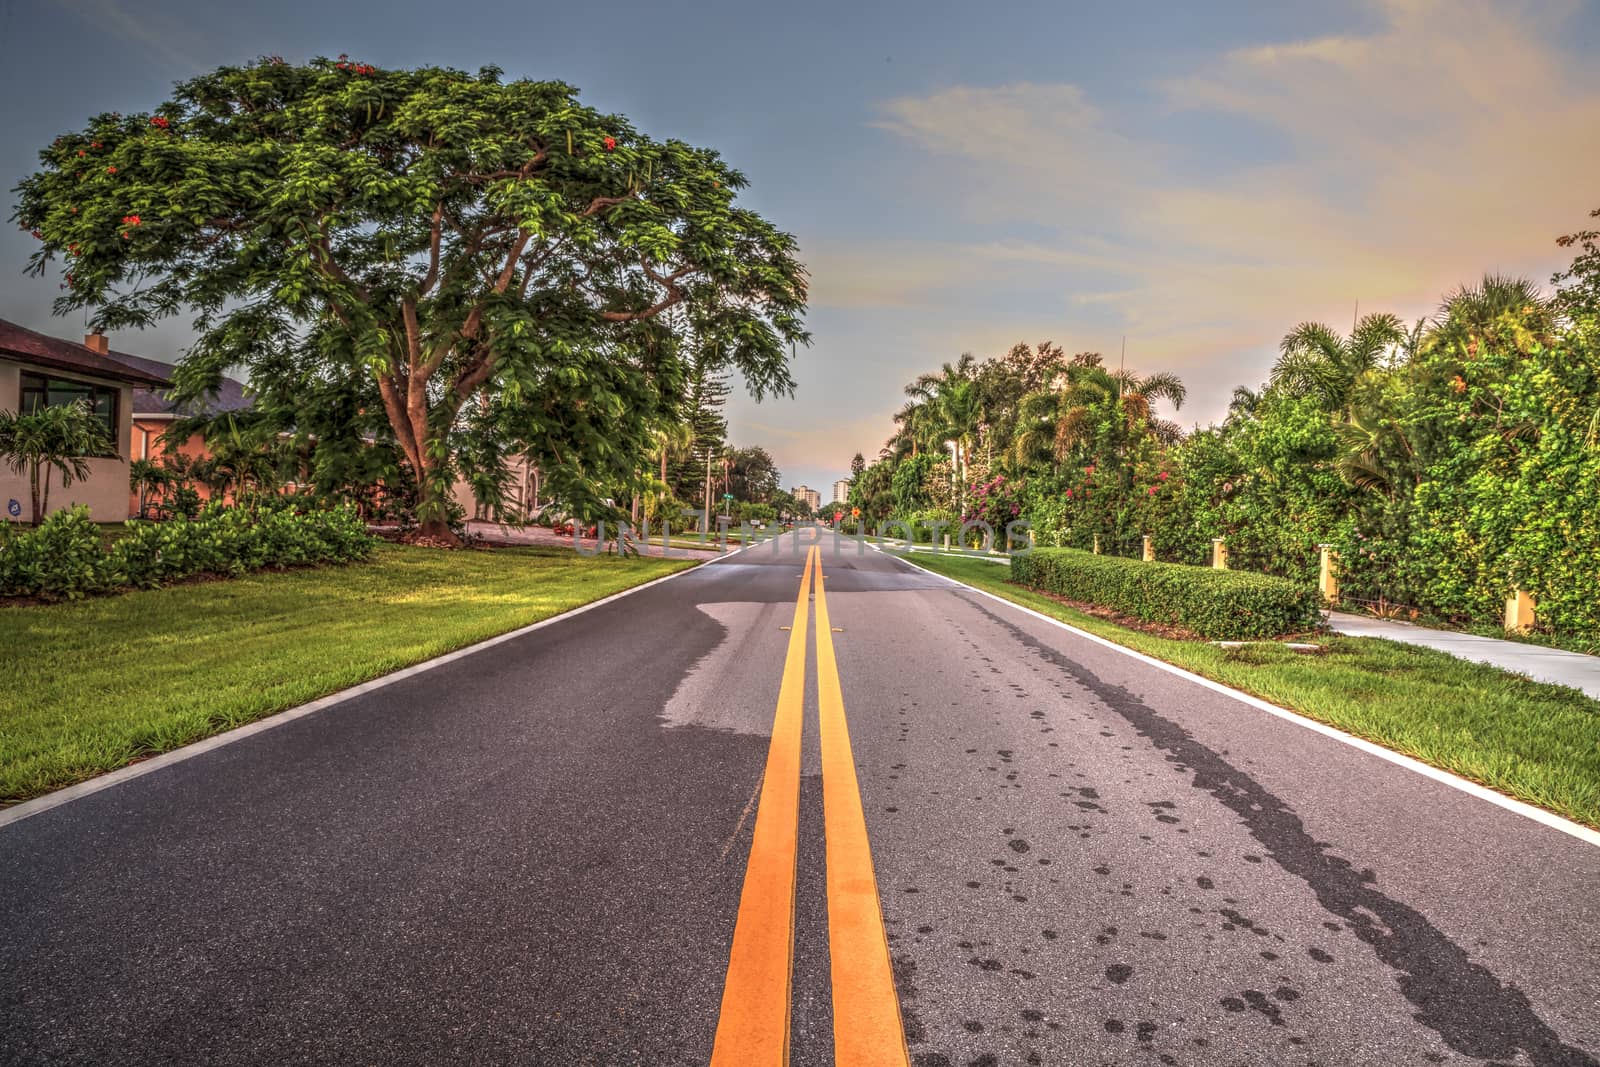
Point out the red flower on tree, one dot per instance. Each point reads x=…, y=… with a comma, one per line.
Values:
x=111, y=170
x=611, y=144
x=130, y=220
x=160, y=122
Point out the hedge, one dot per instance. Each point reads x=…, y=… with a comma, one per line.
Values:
x=65, y=557
x=1222, y=605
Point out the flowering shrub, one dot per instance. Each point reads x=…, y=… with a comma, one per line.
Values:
x=995, y=502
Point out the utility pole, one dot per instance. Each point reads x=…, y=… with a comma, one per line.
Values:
x=707, y=527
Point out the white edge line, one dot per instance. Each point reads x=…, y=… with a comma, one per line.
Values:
x=37, y=806
x=1528, y=811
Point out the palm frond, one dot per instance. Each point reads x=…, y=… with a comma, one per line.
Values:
x=1164, y=386
x=1312, y=338
x=1166, y=431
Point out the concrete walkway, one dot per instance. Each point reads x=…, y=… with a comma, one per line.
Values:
x=497, y=533
x=1536, y=661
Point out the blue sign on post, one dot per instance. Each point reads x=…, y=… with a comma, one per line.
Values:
x=14, y=507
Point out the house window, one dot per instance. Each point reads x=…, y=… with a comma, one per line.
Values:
x=41, y=392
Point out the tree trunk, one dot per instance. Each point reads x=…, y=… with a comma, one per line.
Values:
x=405, y=402
x=42, y=511
x=433, y=500
x=438, y=530
x=33, y=494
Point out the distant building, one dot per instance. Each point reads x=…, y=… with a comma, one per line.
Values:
x=841, y=491
x=807, y=496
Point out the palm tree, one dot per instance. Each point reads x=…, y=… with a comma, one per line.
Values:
x=959, y=414
x=58, y=438
x=1037, y=417
x=148, y=478
x=1091, y=390
x=1138, y=394
x=944, y=407
x=245, y=458
x=1058, y=422
x=1498, y=310
x=1245, y=403
x=1315, y=361
x=927, y=386
x=672, y=439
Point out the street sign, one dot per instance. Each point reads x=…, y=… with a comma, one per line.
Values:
x=837, y=515
x=855, y=513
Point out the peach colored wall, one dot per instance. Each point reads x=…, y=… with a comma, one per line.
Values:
x=147, y=444
x=105, y=490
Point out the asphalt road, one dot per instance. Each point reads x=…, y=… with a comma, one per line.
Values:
x=535, y=854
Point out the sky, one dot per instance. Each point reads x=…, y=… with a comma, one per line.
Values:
x=1190, y=180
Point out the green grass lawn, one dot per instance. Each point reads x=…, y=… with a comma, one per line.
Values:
x=1536, y=742
x=92, y=685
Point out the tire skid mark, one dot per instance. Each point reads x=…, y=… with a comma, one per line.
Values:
x=1470, y=1009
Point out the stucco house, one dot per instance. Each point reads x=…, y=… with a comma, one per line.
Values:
x=154, y=412
x=35, y=370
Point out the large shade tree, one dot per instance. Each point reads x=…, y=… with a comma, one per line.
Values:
x=418, y=240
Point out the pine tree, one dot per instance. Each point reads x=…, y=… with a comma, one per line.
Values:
x=704, y=399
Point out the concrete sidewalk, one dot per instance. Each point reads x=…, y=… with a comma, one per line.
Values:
x=501, y=534
x=1535, y=661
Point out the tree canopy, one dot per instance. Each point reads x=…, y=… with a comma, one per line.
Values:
x=422, y=254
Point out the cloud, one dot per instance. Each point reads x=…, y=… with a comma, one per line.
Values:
x=1455, y=136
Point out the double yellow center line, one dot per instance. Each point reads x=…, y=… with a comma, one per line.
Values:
x=753, y=1029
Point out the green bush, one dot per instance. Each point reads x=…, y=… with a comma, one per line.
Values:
x=61, y=557
x=65, y=558
x=1223, y=605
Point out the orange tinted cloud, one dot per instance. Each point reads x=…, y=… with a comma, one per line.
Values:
x=1456, y=137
